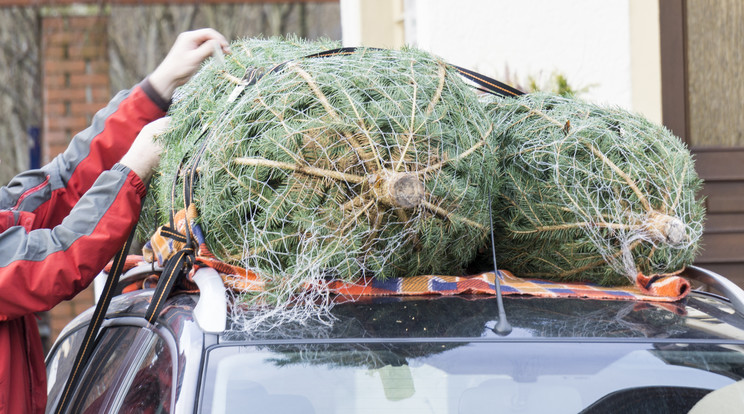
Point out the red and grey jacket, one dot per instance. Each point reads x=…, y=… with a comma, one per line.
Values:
x=59, y=225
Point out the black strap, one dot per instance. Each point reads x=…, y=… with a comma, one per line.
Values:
x=172, y=234
x=180, y=263
x=174, y=268
x=341, y=51
x=485, y=83
x=104, y=349
x=91, y=334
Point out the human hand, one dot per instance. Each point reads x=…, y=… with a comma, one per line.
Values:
x=183, y=60
x=144, y=154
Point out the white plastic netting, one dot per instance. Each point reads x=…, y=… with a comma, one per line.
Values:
x=592, y=193
x=379, y=163
x=369, y=163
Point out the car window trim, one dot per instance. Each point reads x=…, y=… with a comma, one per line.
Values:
x=166, y=335
x=60, y=340
x=443, y=340
x=136, y=322
x=75, y=398
x=140, y=344
x=53, y=351
x=146, y=339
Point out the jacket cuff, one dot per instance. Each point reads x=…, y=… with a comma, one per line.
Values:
x=132, y=178
x=161, y=102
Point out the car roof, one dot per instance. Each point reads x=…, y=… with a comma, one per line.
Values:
x=701, y=316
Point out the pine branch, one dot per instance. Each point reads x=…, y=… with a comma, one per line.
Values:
x=622, y=174
x=302, y=169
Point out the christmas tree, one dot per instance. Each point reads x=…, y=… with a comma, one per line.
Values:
x=591, y=193
x=363, y=163
x=205, y=99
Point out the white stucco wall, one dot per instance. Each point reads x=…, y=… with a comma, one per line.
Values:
x=588, y=41
x=610, y=46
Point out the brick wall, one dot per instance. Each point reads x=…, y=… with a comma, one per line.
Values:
x=75, y=76
x=76, y=84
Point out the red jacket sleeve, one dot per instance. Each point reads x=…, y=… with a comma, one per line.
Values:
x=40, y=268
x=52, y=191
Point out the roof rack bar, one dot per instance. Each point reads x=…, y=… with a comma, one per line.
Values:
x=726, y=287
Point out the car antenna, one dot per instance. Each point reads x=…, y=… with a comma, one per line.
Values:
x=502, y=327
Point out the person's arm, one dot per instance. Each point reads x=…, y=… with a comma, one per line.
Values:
x=40, y=268
x=51, y=192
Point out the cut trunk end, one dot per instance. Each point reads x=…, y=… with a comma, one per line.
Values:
x=402, y=190
x=665, y=228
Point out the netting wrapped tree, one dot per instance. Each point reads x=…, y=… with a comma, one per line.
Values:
x=205, y=100
x=592, y=193
x=371, y=163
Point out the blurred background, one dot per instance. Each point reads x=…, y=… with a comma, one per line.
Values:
x=677, y=62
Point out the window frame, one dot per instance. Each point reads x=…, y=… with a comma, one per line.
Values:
x=127, y=368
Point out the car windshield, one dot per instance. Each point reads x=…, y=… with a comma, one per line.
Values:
x=438, y=376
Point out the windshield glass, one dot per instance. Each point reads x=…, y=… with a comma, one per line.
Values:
x=445, y=377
